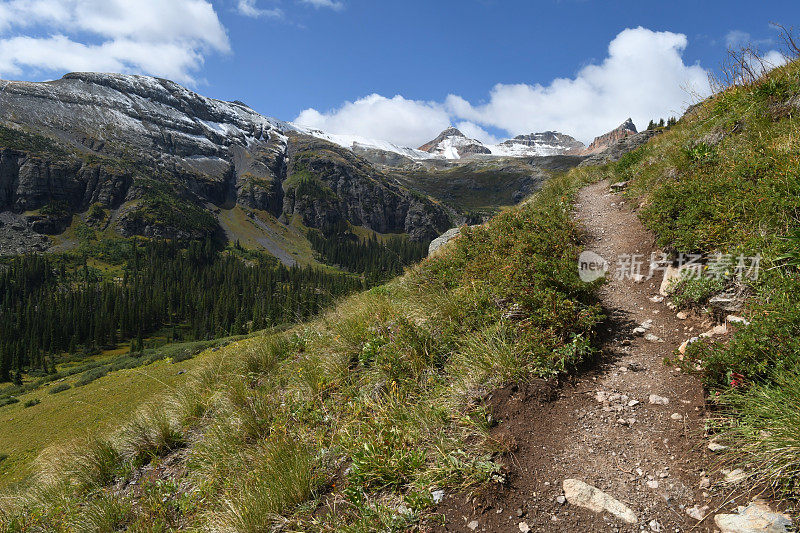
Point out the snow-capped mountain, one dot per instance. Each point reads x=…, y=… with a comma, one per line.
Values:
x=452, y=144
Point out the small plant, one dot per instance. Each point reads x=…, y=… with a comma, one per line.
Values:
x=791, y=258
x=695, y=291
x=32, y=402
x=700, y=153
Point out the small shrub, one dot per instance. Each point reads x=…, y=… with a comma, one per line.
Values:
x=32, y=402
x=8, y=401
x=92, y=375
x=61, y=387
x=695, y=291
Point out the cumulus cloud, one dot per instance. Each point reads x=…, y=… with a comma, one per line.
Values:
x=643, y=77
x=151, y=36
x=248, y=8
x=402, y=121
x=473, y=131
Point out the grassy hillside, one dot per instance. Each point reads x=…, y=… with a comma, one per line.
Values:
x=724, y=182
x=351, y=422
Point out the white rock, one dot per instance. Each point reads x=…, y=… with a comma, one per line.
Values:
x=437, y=495
x=705, y=483
x=473, y=525
x=735, y=476
x=755, y=518
x=733, y=319
x=653, y=338
x=655, y=526
x=443, y=239
x=716, y=447
x=639, y=331
x=633, y=403
x=686, y=343
x=671, y=275
x=655, y=399
x=653, y=484
x=583, y=495
x=676, y=416
x=561, y=499
x=682, y=315
x=524, y=527
x=656, y=299
x=697, y=512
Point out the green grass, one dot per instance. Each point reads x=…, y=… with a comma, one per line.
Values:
x=94, y=408
x=724, y=180
x=372, y=406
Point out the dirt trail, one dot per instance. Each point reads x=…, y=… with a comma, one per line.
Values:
x=651, y=457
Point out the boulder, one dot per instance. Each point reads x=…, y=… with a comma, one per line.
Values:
x=584, y=495
x=755, y=518
x=443, y=239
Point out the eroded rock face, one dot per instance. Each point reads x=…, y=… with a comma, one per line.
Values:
x=606, y=140
x=621, y=147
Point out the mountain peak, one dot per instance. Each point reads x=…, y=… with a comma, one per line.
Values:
x=602, y=142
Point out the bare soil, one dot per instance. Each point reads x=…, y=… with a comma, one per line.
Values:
x=555, y=433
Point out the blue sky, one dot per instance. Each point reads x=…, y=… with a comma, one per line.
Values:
x=403, y=70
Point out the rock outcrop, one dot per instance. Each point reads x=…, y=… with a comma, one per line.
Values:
x=606, y=140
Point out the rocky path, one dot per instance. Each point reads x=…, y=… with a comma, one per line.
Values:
x=626, y=436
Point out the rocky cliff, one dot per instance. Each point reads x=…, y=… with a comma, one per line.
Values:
x=606, y=140
x=164, y=161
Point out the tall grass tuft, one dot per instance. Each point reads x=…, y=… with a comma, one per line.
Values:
x=282, y=476
x=150, y=434
x=767, y=432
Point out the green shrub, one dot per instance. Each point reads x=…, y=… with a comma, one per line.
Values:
x=695, y=291
x=32, y=402
x=61, y=387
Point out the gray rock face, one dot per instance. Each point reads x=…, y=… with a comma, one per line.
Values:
x=562, y=143
x=619, y=148
x=147, y=147
x=443, y=239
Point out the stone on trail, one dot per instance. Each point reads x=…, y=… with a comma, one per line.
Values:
x=583, y=495
x=697, y=512
x=473, y=525
x=755, y=518
x=653, y=338
x=524, y=527
x=655, y=399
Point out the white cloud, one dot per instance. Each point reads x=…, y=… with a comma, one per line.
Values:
x=248, y=8
x=402, y=121
x=736, y=38
x=643, y=77
x=332, y=4
x=150, y=36
x=473, y=131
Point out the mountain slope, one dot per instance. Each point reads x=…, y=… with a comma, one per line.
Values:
x=166, y=162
